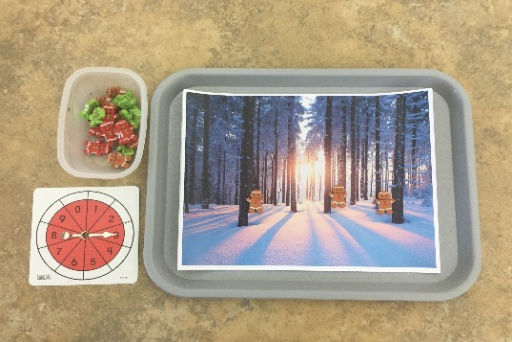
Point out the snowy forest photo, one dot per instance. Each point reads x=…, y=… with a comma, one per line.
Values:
x=343, y=182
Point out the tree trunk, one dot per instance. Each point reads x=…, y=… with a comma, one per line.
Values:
x=205, y=176
x=365, y=157
x=333, y=168
x=264, y=183
x=328, y=154
x=371, y=183
x=358, y=157
x=246, y=161
x=334, y=177
x=398, y=161
x=377, y=147
x=192, y=159
x=217, y=186
x=386, y=176
x=353, y=153
x=291, y=153
x=237, y=177
x=336, y=166
x=272, y=170
x=414, y=167
x=288, y=180
x=283, y=184
x=276, y=160
x=258, y=134
x=186, y=193
x=273, y=195
x=343, y=149
x=360, y=175
x=224, y=178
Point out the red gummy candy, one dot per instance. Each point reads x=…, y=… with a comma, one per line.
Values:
x=110, y=114
x=104, y=131
x=124, y=132
x=98, y=147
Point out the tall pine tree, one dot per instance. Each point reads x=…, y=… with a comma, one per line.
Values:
x=342, y=168
x=257, y=183
x=291, y=153
x=246, y=160
x=275, y=159
x=364, y=188
x=378, y=175
x=399, y=161
x=283, y=183
x=192, y=158
x=328, y=154
x=205, y=175
x=353, y=152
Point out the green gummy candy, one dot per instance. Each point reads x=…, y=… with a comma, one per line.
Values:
x=135, y=115
x=125, y=151
x=88, y=108
x=125, y=114
x=131, y=115
x=125, y=101
x=96, y=116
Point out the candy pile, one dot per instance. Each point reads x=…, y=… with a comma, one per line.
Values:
x=114, y=120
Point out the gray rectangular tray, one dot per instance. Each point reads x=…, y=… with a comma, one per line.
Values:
x=458, y=206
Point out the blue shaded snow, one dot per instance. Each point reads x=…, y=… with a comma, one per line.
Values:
x=352, y=236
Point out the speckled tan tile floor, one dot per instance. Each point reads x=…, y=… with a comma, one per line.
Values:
x=42, y=42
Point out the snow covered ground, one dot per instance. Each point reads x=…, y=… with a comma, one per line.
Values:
x=352, y=236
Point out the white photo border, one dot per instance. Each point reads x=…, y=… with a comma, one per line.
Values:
x=374, y=269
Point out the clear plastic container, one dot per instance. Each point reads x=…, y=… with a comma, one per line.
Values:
x=82, y=85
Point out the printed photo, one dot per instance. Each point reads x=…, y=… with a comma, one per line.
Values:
x=315, y=182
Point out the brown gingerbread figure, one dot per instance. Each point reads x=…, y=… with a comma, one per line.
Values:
x=384, y=203
x=119, y=160
x=255, y=202
x=338, y=196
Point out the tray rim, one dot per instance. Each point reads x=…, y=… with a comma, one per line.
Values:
x=470, y=177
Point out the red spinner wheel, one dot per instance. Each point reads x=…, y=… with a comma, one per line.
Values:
x=85, y=235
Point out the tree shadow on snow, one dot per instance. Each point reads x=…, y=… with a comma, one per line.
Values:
x=422, y=226
x=254, y=254
x=202, y=240
x=382, y=250
x=226, y=220
x=258, y=218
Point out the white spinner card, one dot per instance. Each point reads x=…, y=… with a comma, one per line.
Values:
x=84, y=236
